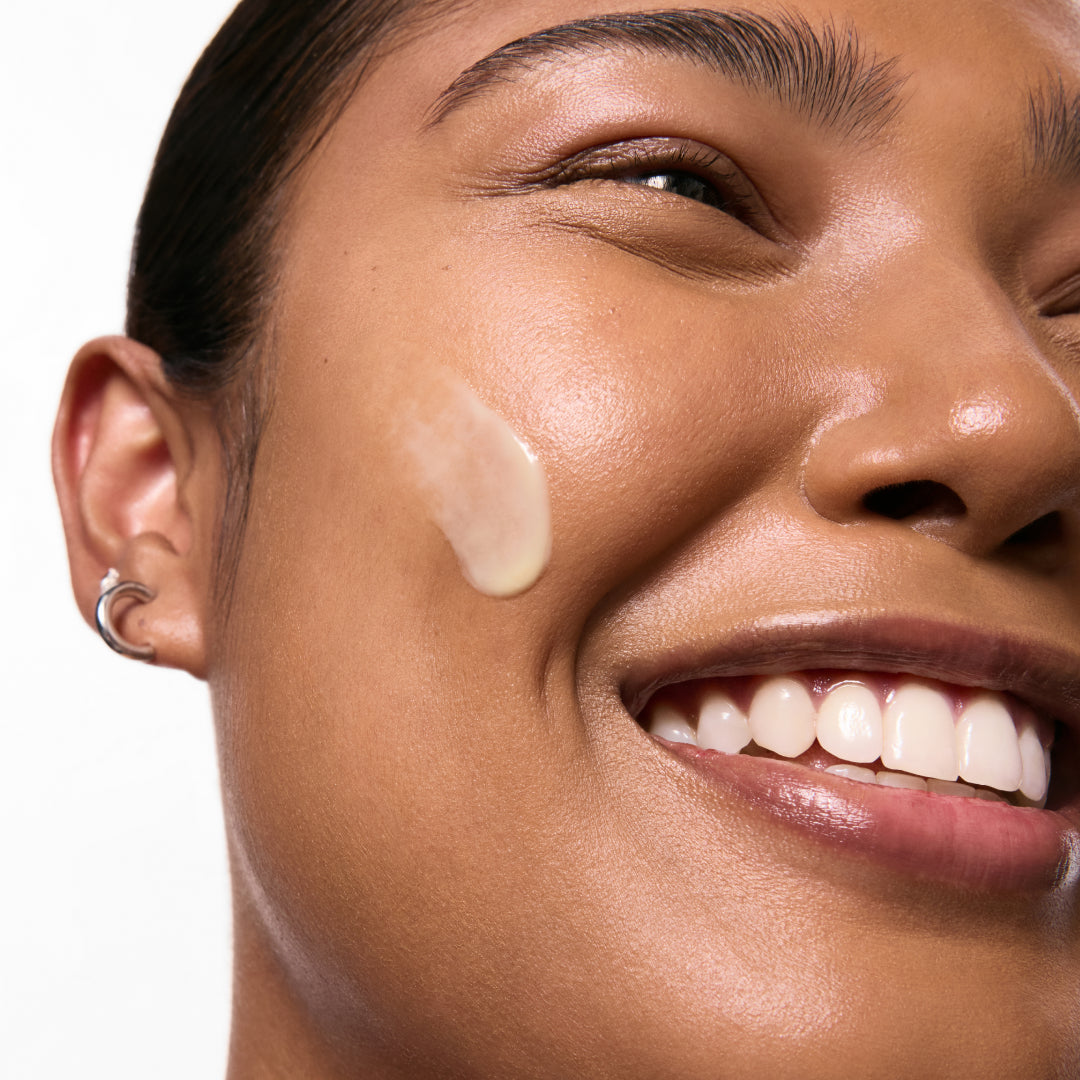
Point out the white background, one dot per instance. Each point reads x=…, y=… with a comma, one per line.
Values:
x=114, y=922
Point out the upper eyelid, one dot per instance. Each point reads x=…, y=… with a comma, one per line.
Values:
x=672, y=153
x=645, y=152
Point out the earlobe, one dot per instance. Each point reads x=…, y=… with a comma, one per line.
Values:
x=137, y=475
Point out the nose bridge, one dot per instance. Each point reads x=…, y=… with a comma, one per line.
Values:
x=970, y=416
x=930, y=314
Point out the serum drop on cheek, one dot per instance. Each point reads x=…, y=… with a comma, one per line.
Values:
x=486, y=491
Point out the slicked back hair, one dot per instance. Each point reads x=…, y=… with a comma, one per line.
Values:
x=260, y=98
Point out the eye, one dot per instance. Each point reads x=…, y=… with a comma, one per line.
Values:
x=1063, y=300
x=685, y=184
x=675, y=168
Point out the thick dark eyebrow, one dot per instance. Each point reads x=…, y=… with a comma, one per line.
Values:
x=826, y=75
x=1054, y=132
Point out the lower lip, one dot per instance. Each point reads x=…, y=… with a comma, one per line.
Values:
x=965, y=842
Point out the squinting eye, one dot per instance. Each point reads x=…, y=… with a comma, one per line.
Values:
x=1066, y=302
x=685, y=184
x=679, y=167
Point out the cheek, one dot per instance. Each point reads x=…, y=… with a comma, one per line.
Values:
x=390, y=735
x=653, y=403
x=651, y=400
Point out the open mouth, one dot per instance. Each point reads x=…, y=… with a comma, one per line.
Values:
x=890, y=730
x=940, y=751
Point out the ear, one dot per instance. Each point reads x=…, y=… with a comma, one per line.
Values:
x=137, y=472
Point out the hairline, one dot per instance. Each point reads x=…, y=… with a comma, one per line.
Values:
x=243, y=405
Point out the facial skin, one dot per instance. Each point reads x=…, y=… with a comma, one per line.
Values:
x=455, y=852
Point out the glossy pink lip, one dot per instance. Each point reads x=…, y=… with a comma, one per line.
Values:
x=968, y=843
x=965, y=842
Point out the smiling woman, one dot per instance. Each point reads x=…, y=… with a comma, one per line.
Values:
x=619, y=473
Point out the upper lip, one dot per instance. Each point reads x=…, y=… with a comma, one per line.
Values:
x=1044, y=676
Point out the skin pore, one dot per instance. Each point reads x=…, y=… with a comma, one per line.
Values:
x=735, y=323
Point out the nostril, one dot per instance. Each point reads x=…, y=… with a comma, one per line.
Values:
x=1042, y=545
x=1047, y=531
x=925, y=499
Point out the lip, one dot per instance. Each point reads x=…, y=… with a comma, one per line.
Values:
x=969, y=843
x=1043, y=676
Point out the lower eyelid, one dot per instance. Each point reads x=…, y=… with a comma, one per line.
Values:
x=712, y=257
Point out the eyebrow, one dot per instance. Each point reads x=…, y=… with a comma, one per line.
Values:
x=1054, y=131
x=826, y=75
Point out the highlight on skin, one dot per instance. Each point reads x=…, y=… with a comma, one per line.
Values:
x=485, y=489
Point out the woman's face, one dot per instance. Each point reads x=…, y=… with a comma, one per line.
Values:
x=730, y=304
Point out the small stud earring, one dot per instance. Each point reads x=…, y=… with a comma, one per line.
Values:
x=112, y=589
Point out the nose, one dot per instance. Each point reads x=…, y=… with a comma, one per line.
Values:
x=969, y=437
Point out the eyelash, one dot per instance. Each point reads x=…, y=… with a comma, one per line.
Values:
x=623, y=162
x=1066, y=302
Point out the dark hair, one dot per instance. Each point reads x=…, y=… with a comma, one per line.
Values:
x=260, y=98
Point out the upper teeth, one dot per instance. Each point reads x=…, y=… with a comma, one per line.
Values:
x=913, y=729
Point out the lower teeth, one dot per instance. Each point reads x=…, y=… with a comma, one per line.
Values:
x=866, y=775
x=914, y=783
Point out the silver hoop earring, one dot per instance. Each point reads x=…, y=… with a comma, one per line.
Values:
x=113, y=589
